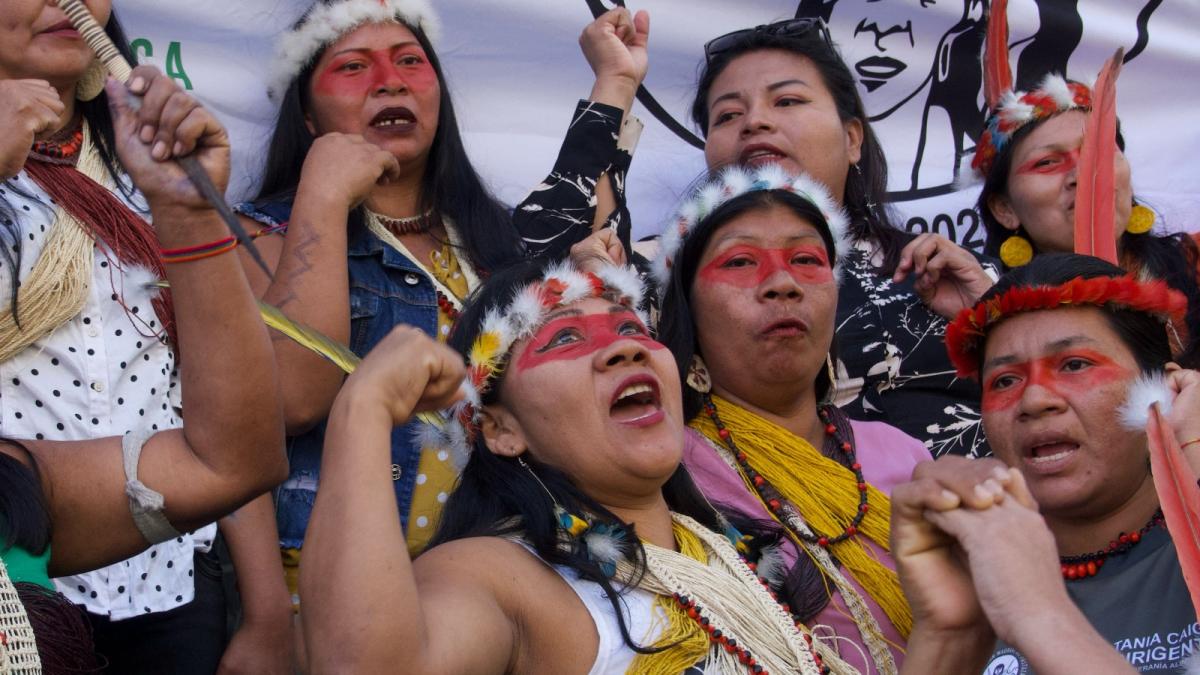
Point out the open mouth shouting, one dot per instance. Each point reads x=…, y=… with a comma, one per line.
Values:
x=636, y=402
x=1047, y=453
x=394, y=120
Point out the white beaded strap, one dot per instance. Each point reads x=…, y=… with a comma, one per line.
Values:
x=145, y=504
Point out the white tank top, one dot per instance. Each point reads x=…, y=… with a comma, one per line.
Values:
x=613, y=656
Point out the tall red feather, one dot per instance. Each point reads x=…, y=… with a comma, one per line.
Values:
x=1095, y=192
x=997, y=73
x=1179, y=497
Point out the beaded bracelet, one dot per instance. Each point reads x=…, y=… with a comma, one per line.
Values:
x=215, y=248
x=190, y=253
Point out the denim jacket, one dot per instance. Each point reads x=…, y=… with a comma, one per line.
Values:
x=386, y=289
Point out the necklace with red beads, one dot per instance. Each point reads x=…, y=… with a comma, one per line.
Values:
x=765, y=490
x=62, y=148
x=418, y=224
x=696, y=613
x=1088, y=565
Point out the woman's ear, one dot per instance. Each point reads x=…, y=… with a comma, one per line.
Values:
x=502, y=433
x=1002, y=210
x=854, y=139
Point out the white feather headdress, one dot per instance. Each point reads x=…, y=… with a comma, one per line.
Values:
x=734, y=182
x=324, y=24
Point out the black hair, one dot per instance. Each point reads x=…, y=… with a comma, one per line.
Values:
x=496, y=496
x=450, y=186
x=677, y=327
x=1144, y=334
x=1170, y=257
x=866, y=182
x=100, y=122
x=24, y=514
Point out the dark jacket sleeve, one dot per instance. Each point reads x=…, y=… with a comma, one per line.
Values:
x=560, y=210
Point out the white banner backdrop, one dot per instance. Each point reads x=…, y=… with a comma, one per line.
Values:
x=515, y=71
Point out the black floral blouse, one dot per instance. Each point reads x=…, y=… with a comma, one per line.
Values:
x=559, y=211
x=892, y=364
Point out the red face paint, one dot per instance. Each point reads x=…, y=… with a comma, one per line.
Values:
x=748, y=266
x=362, y=71
x=577, y=336
x=1066, y=374
x=1050, y=163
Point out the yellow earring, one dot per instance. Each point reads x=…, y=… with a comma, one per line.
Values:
x=1141, y=220
x=1016, y=251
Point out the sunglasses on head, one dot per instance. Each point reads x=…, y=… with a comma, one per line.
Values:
x=788, y=28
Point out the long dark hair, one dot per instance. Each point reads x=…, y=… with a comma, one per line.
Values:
x=677, y=326
x=450, y=185
x=866, y=182
x=99, y=120
x=1144, y=334
x=24, y=514
x=1170, y=257
x=497, y=497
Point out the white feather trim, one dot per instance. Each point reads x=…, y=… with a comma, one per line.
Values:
x=1144, y=391
x=139, y=276
x=429, y=436
x=1191, y=665
x=968, y=178
x=324, y=24
x=772, y=566
x=625, y=281
x=1055, y=86
x=603, y=547
x=525, y=313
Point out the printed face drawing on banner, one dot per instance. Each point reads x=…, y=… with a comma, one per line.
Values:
x=892, y=49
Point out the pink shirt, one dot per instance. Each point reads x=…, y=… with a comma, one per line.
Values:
x=888, y=457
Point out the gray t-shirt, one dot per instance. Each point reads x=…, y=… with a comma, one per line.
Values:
x=1138, y=602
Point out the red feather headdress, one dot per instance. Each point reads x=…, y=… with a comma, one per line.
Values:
x=963, y=335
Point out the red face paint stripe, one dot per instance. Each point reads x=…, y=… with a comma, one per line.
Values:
x=748, y=266
x=583, y=336
x=1051, y=163
x=377, y=68
x=1048, y=372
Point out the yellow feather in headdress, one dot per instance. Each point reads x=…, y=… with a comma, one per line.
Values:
x=486, y=349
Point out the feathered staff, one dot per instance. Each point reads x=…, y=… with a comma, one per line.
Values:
x=1095, y=192
x=997, y=73
x=107, y=52
x=1174, y=481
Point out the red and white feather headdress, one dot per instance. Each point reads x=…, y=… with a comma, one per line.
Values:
x=504, y=325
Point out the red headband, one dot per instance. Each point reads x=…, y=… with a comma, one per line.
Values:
x=963, y=335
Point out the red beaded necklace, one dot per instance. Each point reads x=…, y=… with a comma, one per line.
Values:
x=1089, y=564
x=418, y=224
x=447, y=307
x=696, y=613
x=776, y=507
x=61, y=147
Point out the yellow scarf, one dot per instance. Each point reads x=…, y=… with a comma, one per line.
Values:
x=824, y=492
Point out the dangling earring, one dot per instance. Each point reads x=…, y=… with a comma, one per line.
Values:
x=92, y=82
x=869, y=204
x=697, y=375
x=569, y=522
x=1016, y=251
x=1141, y=220
x=831, y=395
